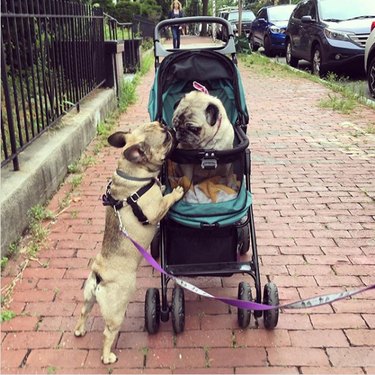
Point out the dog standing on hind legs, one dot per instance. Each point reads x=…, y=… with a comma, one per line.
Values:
x=138, y=201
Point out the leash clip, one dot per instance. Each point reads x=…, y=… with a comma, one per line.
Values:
x=121, y=227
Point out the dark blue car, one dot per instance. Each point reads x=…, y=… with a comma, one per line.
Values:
x=268, y=29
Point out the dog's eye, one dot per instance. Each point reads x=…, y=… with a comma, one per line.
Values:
x=194, y=129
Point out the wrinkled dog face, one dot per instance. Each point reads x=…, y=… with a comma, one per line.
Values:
x=147, y=146
x=196, y=119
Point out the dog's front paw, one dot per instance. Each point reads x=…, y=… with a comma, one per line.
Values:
x=112, y=358
x=178, y=192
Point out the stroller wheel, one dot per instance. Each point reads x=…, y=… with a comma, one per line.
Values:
x=155, y=243
x=270, y=298
x=243, y=239
x=178, y=309
x=152, y=310
x=244, y=294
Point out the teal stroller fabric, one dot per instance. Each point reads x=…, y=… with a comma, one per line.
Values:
x=173, y=79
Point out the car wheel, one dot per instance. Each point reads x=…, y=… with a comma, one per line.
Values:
x=317, y=62
x=254, y=47
x=268, y=47
x=371, y=76
x=290, y=59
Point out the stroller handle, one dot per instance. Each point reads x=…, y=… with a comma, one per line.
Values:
x=229, y=48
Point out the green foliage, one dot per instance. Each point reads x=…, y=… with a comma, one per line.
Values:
x=338, y=103
x=39, y=213
x=125, y=10
x=3, y=262
x=7, y=315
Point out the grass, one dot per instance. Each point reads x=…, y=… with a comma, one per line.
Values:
x=339, y=103
x=7, y=315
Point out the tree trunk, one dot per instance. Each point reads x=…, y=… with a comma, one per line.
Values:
x=204, y=13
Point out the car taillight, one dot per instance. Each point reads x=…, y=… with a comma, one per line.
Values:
x=373, y=25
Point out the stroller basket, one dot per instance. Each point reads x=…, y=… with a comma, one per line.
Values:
x=215, y=191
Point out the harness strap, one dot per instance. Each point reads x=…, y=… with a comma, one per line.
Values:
x=108, y=200
x=132, y=202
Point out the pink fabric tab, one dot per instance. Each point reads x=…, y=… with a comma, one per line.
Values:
x=200, y=87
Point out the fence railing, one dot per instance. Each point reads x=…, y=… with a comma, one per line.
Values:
x=52, y=56
x=115, y=30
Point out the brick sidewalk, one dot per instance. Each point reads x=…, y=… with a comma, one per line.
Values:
x=313, y=184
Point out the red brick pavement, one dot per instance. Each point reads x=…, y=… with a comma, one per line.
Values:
x=314, y=190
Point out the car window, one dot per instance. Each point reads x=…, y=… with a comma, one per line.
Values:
x=280, y=13
x=332, y=10
x=263, y=14
x=305, y=9
x=247, y=15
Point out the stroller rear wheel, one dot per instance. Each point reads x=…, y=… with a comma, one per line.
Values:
x=244, y=294
x=152, y=310
x=270, y=298
x=178, y=309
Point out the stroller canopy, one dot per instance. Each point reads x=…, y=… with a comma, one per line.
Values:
x=215, y=71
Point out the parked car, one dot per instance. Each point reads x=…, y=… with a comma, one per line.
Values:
x=232, y=17
x=370, y=60
x=268, y=29
x=328, y=34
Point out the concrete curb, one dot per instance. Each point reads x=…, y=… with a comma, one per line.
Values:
x=44, y=163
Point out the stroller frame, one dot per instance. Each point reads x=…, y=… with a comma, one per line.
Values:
x=245, y=228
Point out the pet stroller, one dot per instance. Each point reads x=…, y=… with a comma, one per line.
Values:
x=206, y=232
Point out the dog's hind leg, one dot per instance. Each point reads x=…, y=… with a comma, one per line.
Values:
x=113, y=300
x=88, y=302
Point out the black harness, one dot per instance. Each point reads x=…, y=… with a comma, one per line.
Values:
x=117, y=204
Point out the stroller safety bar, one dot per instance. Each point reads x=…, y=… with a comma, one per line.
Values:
x=229, y=47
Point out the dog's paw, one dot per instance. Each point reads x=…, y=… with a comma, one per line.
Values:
x=78, y=333
x=112, y=358
x=178, y=192
x=79, y=330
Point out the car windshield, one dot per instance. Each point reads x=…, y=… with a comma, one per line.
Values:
x=280, y=13
x=247, y=15
x=339, y=10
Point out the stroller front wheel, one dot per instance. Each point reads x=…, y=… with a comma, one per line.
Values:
x=270, y=298
x=178, y=310
x=152, y=310
x=244, y=294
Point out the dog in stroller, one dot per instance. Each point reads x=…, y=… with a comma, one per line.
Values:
x=207, y=232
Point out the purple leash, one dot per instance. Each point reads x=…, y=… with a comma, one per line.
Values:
x=249, y=305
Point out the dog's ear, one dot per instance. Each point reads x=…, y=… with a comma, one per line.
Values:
x=212, y=113
x=118, y=139
x=136, y=153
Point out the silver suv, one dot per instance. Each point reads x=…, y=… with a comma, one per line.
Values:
x=370, y=60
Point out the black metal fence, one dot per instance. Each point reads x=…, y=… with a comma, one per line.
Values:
x=52, y=56
x=115, y=30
